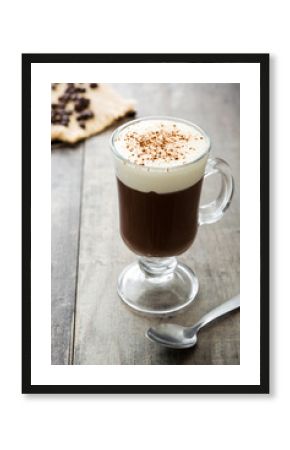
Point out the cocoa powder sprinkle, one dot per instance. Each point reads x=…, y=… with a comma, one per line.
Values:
x=163, y=144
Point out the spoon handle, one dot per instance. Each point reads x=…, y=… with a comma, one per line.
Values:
x=219, y=311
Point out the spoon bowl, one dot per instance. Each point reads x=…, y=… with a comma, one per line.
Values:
x=172, y=335
x=178, y=337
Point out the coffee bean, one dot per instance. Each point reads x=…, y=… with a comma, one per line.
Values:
x=70, y=87
x=80, y=90
x=74, y=97
x=82, y=104
x=131, y=114
x=93, y=85
x=65, y=98
x=55, y=120
x=56, y=106
x=85, y=116
x=82, y=125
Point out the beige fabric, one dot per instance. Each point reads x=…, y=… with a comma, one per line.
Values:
x=106, y=104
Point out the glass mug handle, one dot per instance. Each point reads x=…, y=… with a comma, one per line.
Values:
x=213, y=211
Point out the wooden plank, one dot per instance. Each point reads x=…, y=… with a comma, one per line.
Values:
x=106, y=332
x=66, y=180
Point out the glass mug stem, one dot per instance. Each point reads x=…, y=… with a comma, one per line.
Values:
x=157, y=267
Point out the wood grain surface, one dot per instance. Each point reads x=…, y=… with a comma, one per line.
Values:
x=66, y=182
x=90, y=324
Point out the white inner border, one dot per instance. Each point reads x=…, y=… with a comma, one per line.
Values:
x=248, y=372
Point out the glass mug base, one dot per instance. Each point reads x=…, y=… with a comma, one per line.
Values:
x=157, y=287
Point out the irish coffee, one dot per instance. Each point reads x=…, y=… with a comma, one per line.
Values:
x=160, y=164
x=159, y=172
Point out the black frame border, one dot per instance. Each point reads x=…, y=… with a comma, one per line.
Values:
x=256, y=58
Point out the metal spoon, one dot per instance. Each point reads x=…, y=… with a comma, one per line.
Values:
x=175, y=336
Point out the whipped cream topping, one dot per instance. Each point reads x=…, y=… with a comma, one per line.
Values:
x=156, y=154
x=161, y=143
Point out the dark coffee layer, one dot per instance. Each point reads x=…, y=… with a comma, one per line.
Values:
x=154, y=224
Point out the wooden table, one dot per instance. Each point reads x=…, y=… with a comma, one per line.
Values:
x=90, y=324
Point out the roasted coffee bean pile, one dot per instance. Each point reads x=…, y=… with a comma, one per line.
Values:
x=61, y=116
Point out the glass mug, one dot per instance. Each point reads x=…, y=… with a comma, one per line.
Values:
x=159, y=215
